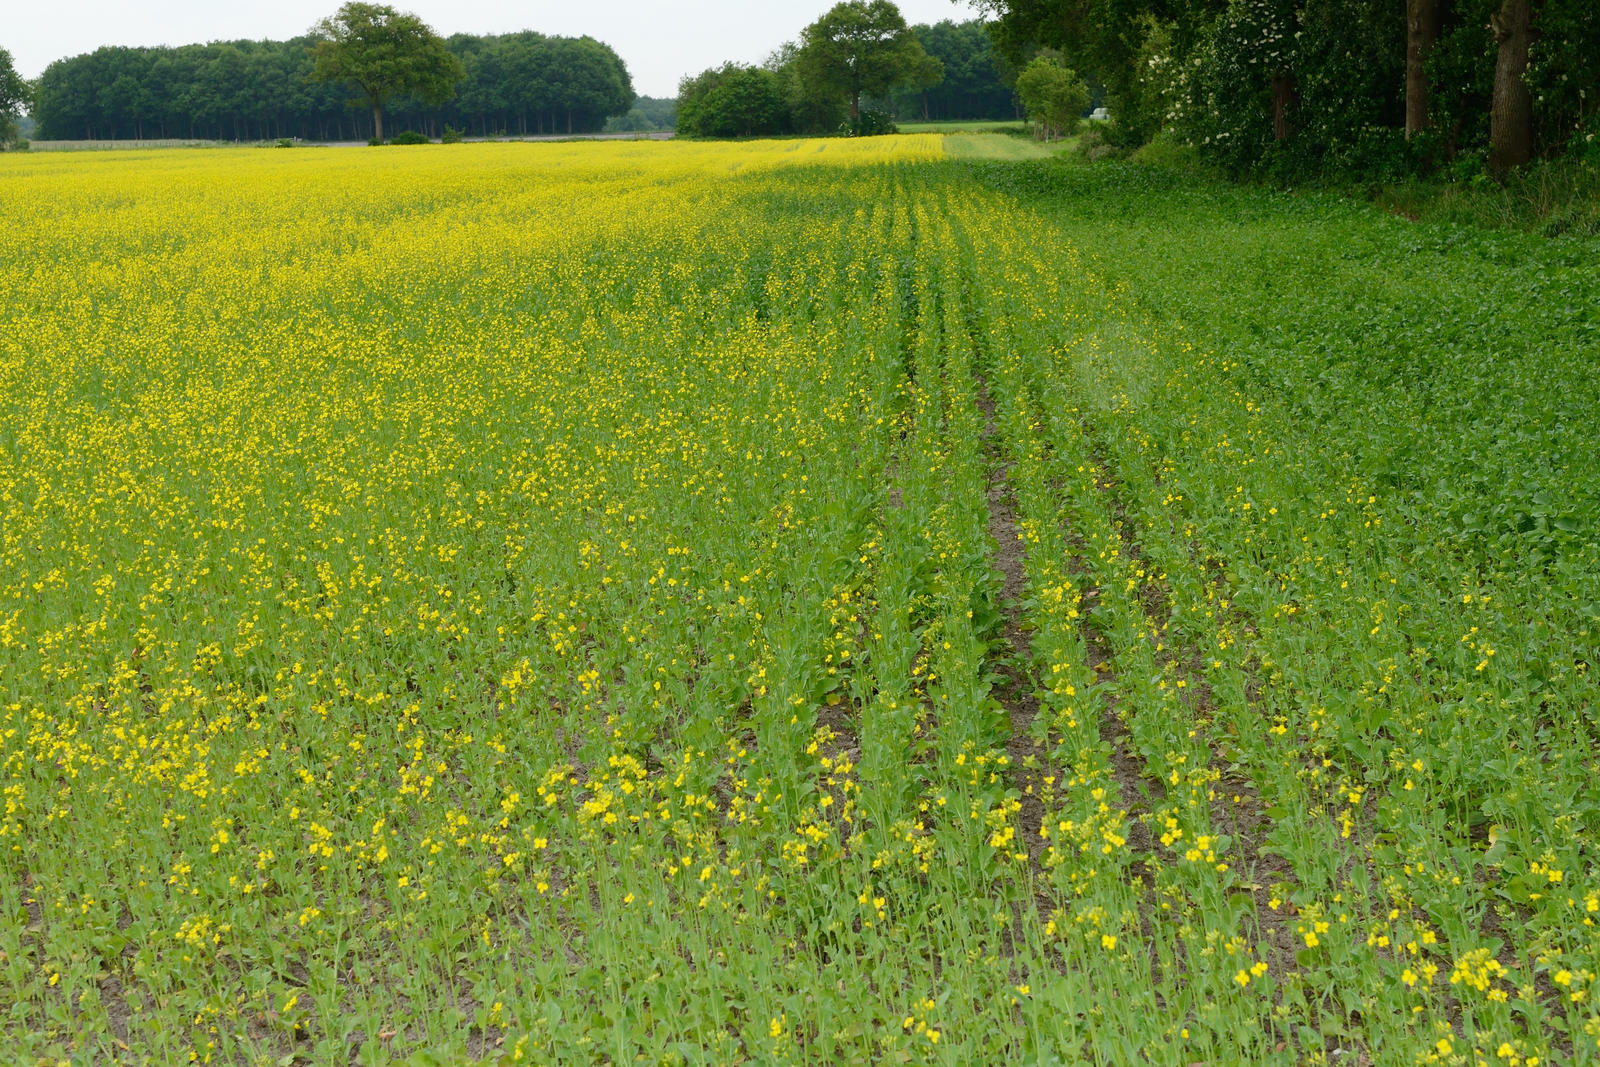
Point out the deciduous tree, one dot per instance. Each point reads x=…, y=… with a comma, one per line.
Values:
x=15, y=97
x=384, y=53
x=863, y=46
x=1054, y=96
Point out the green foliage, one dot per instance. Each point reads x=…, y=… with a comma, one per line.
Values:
x=976, y=78
x=1207, y=71
x=1167, y=150
x=1054, y=96
x=1162, y=92
x=647, y=113
x=732, y=101
x=1342, y=58
x=863, y=47
x=635, y=121
x=660, y=110
x=870, y=123
x=1564, y=74
x=250, y=90
x=1461, y=71
x=529, y=83
x=1100, y=38
x=383, y=54
x=1551, y=197
x=410, y=137
x=810, y=111
x=451, y=135
x=239, y=91
x=1102, y=140
x=1250, y=41
x=16, y=97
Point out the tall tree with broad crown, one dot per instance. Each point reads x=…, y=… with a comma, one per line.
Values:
x=384, y=53
x=15, y=95
x=863, y=46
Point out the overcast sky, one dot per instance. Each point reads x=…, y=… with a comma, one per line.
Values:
x=659, y=41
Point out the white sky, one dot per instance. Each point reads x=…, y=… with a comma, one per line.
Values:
x=659, y=41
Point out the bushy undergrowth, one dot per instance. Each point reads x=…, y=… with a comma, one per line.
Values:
x=1554, y=198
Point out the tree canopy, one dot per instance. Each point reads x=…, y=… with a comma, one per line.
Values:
x=384, y=53
x=15, y=95
x=1372, y=88
x=733, y=101
x=958, y=74
x=976, y=76
x=1054, y=96
x=249, y=90
x=863, y=47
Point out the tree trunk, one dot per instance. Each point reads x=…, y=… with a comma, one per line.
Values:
x=855, y=105
x=1285, y=94
x=569, y=120
x=1511, y=121
x=377, y=121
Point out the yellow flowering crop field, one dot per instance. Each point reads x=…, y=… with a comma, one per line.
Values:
x=709, y=604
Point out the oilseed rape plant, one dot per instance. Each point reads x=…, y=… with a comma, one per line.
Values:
x=684, y=603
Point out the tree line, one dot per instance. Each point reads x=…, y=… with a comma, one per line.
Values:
x=517, y=83
x=978, y=82
x=853, y=70
x=1375, y=88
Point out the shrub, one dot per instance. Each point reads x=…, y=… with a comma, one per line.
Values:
x=11, y=139
x=1095, y=145
x=635, y=121
x=1164, y=149
x=869, y=123
x=451, y=135
x=410, y=137
x=732, y=101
